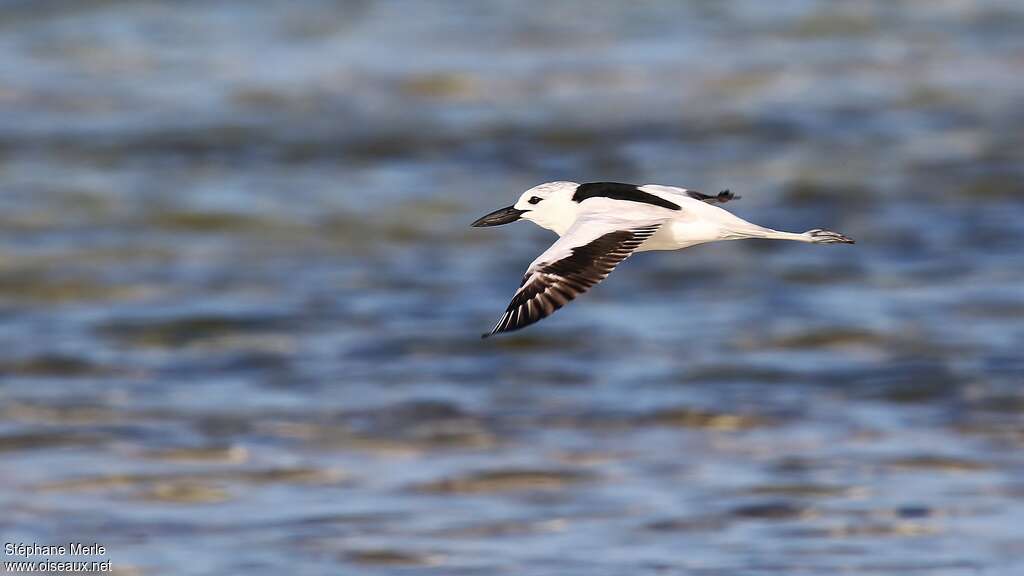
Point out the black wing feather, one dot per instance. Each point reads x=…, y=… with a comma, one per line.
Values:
x=721, y=198
x=551, y=285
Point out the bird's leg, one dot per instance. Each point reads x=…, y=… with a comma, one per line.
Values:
x=816, y=236
x=721, y=198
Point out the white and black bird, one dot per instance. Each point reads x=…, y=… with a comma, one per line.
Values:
x=601, y=223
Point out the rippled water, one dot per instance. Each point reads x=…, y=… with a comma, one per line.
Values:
x=240, y=303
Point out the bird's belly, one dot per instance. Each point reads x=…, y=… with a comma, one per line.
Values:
x=676, y=235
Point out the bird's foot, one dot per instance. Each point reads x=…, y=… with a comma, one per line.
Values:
x=819, y=236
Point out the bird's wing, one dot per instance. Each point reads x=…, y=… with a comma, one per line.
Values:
x=588, y=251
x=720, y=198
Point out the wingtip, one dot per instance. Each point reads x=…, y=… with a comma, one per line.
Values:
x=727, y=196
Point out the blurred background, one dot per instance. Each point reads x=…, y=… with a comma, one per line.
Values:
x=240, y=301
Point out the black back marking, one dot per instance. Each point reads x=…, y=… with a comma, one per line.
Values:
x=620, y=191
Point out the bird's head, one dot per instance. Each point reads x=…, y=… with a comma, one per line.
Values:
x=549, y=205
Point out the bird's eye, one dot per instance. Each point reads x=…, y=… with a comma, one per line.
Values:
x=534, y=200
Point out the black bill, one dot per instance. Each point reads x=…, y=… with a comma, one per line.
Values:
x=499, y=217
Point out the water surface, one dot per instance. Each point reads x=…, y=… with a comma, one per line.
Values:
x=240, y=303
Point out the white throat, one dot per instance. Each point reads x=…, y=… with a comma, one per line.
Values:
x=557, y=217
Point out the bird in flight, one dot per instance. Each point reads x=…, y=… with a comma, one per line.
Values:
x=600, y=224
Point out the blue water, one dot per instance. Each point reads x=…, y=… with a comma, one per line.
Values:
x=240, y=302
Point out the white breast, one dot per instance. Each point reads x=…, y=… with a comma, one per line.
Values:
x=696, y=223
